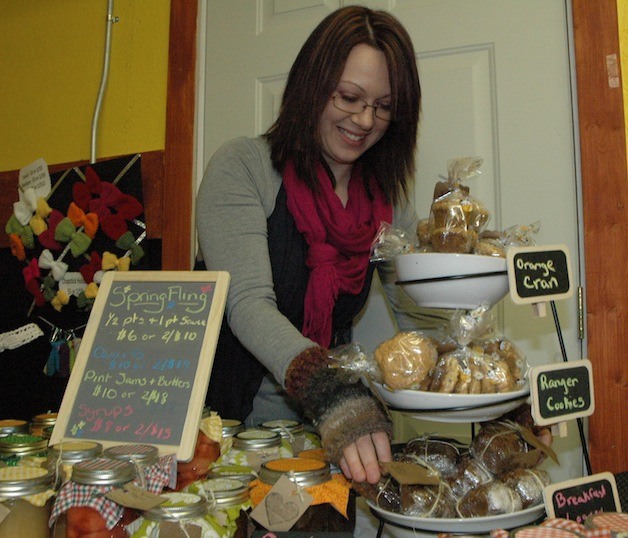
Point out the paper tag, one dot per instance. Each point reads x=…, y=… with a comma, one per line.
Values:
x=133, y=496
x=282, y=507
x=36, y=176
x=533, y=440
x=170, y=529
x=411, y=473
x=72, y=283
x=254, y=460
x=4, y=512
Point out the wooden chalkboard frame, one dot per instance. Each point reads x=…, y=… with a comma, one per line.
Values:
x=576, y=485
x=537, y=371
x=539, y=295
x=183, y=446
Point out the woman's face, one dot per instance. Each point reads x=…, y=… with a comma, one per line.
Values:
x=346, y=136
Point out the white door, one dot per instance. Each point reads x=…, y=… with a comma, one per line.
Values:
x=496, y=83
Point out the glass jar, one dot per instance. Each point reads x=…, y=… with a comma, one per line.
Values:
x=206, y=451
x=181, y=511
x=10, y=426
x=231, y=426
x=243, y=473
x=253, y=446
x=63, y=456
x=333, y=504
x=228, y=501
x=40, y=424
x=23, y=449
x=27, y=493
x=81, y=509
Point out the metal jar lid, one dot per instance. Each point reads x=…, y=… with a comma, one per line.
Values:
x=75, y=451
x=142, y=455
x=22, y=444
x=10, y=425
x=284, y=427
x=256, y=439
x=221, y=492
x=302, y=471
x=243, y=473
x=103, y=472
x=178, y=506
x=231, y=426
x=21, y=481
x=44, y=420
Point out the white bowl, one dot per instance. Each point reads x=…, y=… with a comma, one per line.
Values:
x=449, y=280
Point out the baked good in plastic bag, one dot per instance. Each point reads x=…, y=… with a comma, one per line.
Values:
x=490, y=499
x=406, y=360
x=456, y=218
x=384, y=494
x=497, y=446
x=469, y=474
x=436, y=454
x=427, y=501
x=527, y=483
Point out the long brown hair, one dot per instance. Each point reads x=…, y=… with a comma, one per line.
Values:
x=312, y=80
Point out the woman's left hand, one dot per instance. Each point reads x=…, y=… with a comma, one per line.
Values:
x=360, y=460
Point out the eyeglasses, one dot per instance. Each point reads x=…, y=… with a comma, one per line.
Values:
x=355, y=105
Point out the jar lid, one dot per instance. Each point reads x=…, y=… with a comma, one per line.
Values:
x=256, y=439
x=179, y=505
x=10, y=425
x=222, y=492
x=142, y=455
x=20, y=481
x=22, y=444
x=286, y=428
x=75, y=451
x=103, y=472
x=302, y=471
x=231, y=426
x=45, y=419
x=243, y=473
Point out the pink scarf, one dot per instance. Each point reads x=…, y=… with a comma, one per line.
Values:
x=339, y=240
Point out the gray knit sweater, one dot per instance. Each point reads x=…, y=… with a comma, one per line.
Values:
x=235, y=199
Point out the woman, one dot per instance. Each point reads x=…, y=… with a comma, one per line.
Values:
x=291, y=216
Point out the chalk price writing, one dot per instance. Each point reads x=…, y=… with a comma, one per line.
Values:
x=153, y=430
x=154, y=397
x=177, y=335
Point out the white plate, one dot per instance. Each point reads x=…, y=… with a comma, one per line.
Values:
x=466, y=525
x=441, y=407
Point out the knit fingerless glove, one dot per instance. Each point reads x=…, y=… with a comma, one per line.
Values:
x=341, y=412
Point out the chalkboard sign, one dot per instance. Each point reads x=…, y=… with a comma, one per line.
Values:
x=580, y=498
x=539, y=274
x=561, y=391
x=142, y=370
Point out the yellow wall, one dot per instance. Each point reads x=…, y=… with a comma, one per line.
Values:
x=52, y=55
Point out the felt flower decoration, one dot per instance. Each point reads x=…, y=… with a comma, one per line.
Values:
x=31, y=280
x=47, y=237
x=127, y=242
x=26, y=206
x=38, y=220
x=17, y=247
x=111, y=261
x=57, y=268
x=84, y=192
x=66, y=232
x=24, y=232
x=89, y=269
x=32, y=271
x=60, y=299
x=89, y=221
x=49, y=287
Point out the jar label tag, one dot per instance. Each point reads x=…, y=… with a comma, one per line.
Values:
x=170, y=529
x=282, y=507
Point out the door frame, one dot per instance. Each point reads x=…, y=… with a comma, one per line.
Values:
x=604, y=171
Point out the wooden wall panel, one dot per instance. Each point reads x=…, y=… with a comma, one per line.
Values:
x=605, y=196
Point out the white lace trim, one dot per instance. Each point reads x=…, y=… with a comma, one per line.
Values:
x=19, y=337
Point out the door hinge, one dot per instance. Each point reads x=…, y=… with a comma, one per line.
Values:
x=580, y=313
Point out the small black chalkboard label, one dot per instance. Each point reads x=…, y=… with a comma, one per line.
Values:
x=580, y=498
x=539, y=274
x=143, y=367
x=561, y=391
